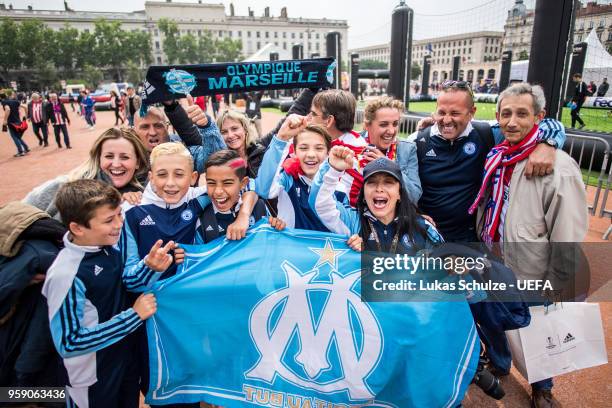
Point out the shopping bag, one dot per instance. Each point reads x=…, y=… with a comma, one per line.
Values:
x=561, y=338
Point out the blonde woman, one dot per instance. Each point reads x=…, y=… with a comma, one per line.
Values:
x=117, y=157
x=239, y=135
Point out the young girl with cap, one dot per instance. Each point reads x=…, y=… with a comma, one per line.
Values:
x=385, y=219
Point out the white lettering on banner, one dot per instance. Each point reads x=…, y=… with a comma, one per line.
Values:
x=357, y=360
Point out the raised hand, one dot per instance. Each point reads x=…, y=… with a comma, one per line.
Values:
x=158, y=258
x=195, y=113
x=341, y=158
x=291, y=127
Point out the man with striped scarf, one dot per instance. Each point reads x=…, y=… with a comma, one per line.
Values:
x=527, y=214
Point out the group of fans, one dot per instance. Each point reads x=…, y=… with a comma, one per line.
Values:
x=115, y=224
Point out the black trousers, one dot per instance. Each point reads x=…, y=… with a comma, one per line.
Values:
x=64, y=129
x=576, y=115
x=41, y=131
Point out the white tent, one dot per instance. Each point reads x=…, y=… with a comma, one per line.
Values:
x=263, y=54
x=597, y=64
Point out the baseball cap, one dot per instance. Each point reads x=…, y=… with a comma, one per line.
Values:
x=382, y=165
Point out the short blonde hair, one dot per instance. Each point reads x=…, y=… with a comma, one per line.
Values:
x=375, y=105
x=170, y=149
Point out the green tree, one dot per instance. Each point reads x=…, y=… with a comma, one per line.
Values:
x=523, y=55
x=134, y=73
x=372, y=64
x=188, y=50
x=171, y=36
x=206, y=47
x=65, y=56
x=30, y=37
x=139, y=42
x=10, y=58
x=92, y=76
x=112, y=47
x=228, y=50
x=47, y=75
x=415, y=71
x=86, y=50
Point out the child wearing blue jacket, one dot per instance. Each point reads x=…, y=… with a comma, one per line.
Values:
x=86, y=296
x=290, y=180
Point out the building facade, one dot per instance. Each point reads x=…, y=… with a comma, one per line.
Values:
x=195, y=18
x=519, y=27
x=480, y=54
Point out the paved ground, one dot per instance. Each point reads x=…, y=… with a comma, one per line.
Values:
x=586, y=388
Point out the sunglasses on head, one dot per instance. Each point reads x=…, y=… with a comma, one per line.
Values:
x=452, y=84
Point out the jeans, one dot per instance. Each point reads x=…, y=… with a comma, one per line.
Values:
x=64, y=129
x=131, y=120
x=19, y=143
x=89, y=118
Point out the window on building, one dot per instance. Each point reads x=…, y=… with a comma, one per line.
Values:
x=301, y=36
x=579, y=38
x=470, y=43
x=601, y=23
x=248, y=34
x=258, y=45
x=239, y=33
x=86, y=30
x=267, y=34
x=284, y=34
x=156, y=33
x=469, y=50
x=159, y=60
x=258, y=34
x=284, y=45
x=582, y=25
x=317, y=36
x=157, y=45
x=229, y=32
x=276, y=34
x=610, y=36
x=464, y=50
x=591, y=24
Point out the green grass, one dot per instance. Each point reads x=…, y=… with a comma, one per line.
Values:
x=595, y=119
x=592, y=181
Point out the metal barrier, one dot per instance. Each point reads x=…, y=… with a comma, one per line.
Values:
x=585, y=148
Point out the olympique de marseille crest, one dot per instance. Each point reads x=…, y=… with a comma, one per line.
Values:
x=316, y=333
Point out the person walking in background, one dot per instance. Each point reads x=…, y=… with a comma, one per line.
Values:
x=13, y=124
x=37, y=114
x=580, y=94
x=116, y=105
x=603, y=88
x=88, y=109
x=216, y=100
x=59, y=117
x=253, y=109
x=132, y=105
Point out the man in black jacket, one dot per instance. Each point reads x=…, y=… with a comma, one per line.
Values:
x=580, y=94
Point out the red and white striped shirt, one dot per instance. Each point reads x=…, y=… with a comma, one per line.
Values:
x=59, y=119
x=36, y=112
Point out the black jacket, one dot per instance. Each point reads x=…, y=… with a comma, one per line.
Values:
x=27, y=354
x=183, y=126
x=51, y=115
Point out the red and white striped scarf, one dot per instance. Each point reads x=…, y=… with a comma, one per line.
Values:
x=500, y=159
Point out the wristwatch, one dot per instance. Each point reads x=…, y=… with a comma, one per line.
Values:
x=551, y=142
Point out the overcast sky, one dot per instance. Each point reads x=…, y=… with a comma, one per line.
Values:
x=369, y=20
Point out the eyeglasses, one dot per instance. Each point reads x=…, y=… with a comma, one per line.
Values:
x=452, y=84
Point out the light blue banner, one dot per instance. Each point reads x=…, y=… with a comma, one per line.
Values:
x=276, y=320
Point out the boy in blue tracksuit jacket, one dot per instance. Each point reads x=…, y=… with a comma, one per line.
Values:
x=85, y=289
x=290, y=180
x=226, y=177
